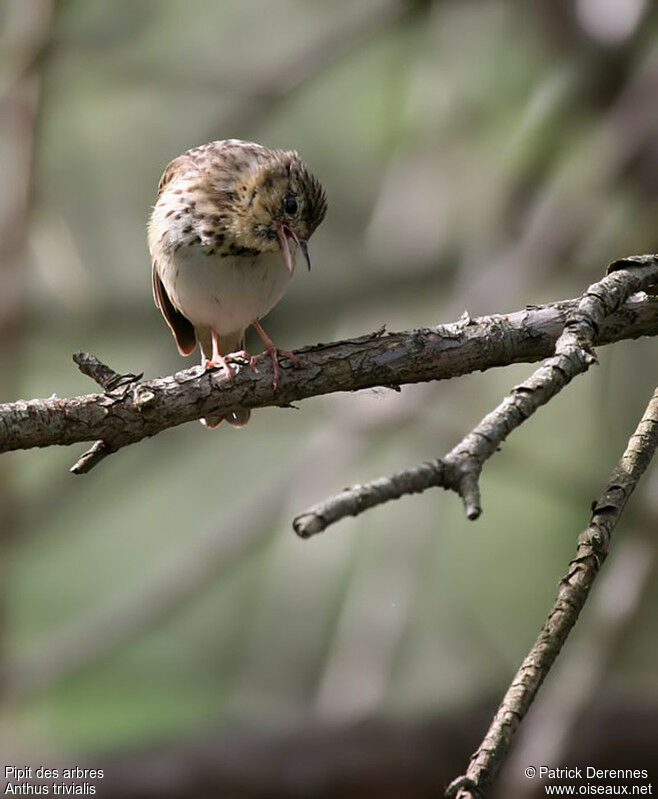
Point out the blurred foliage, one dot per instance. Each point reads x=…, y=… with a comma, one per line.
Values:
x=475, y=155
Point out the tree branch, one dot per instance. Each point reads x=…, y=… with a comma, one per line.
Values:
x=555, y=720
x=460, y=469
x=135, y=409
x=592, y=549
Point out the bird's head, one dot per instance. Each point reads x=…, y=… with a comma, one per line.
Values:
x=277, y=203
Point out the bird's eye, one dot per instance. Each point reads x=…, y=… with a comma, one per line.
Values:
x=290, y=205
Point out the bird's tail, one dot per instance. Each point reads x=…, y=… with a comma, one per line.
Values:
x=233, y=342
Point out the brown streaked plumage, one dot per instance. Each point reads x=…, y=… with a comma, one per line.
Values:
x=229, y=220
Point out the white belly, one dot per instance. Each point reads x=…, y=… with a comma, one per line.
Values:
x=226, y=294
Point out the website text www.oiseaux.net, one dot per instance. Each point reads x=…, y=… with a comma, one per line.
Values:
x=592, y=781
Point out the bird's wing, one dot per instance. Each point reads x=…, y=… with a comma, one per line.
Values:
x=180, y=325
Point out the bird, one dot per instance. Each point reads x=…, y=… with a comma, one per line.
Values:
x=229, y=221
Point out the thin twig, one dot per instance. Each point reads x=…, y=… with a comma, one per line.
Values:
x=549, y=733
x=592, y=549
x=460, y=469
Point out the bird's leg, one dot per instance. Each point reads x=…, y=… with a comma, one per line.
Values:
x=217, y=358
x=272, y=352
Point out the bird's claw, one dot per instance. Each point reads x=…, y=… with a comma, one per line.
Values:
x=211, y=364
x=240, y=355
x=274, y=353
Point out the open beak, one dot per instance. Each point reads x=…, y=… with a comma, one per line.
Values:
x=285, y=233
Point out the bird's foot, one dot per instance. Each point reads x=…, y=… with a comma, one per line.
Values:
x=218, y=360
x=240, y=355
x=274, y=354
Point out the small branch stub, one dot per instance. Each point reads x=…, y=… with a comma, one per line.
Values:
x=101, y=373
x=91, y=457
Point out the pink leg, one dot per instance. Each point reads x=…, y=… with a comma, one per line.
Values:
x=217, y=358
x=272, y=352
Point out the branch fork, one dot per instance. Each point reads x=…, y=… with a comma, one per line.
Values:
x=460, y=469
x=112, y=383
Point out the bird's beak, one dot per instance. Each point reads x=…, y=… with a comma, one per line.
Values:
x=284, y=233
x=303, y=246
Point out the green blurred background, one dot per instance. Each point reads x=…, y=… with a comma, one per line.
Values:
x=159, y=617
